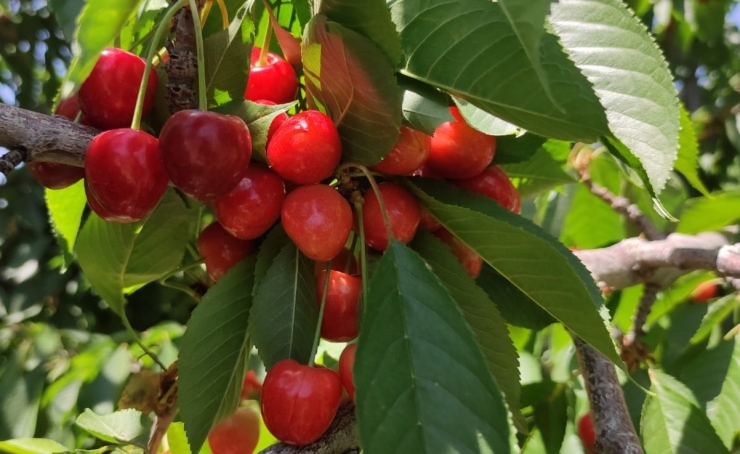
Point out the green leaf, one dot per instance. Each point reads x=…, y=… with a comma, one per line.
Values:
x=66, y=12
x=510, y=150
x=136, y=36
x=688, y=153
x=537, y=264
x=718, y=312
x=370, y=18
x=424, y=108
x=65, y=212
x=115, y=257
x=715, y=378
x=672, y=421
x=703, y=214
x=615, y=52
x=422, y=381
x=551, y=418
x=285, y=312
x=536, y=175
x=469, y=47
x=227, y=54
x=350, y=78
x=483, y=121
x=481, y=315
x=269, y=249
x=123, y=426
x=21, y=395
x=213, y=353
x=99, y=22
x=31, y=446
x=178, y=440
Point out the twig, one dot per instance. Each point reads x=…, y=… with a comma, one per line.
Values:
x=11, y=159
x=633, y=351
x=615, y=433
x=340, y=438
x=182, y=66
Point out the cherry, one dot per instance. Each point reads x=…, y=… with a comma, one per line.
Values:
x=306, y=148
x=407, y=155
x=253, y=206
x=55, y=176
x=318, y=220
x=704, y=292
x=205, y=153
x=251, y=385
x=236, y=434
x=459, y=151
x=339, y=323
x=220, y=250
x=339, y=263
x=494, y=184
x=124, y=174
x=70, y=108
x=278, y=121
x=346, y=365
x=276, y=81
x=108, y=96
x=468, y=258
x=299, y=402
x=95, y=205
x=586, y=432
x=403, y=210
x=428, y=222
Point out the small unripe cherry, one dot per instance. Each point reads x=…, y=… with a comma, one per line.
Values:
x=404, y=213
x=236, y=434
x=704, y=292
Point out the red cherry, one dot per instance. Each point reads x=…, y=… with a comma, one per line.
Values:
x=299, y=402
x=586, y=432
x=459, y=151
x=403, y=210
x=108, y=96
x=408, y=154
x=305, y=149
x=55, y=176
x=318, y=220
x=205, y=153
x=95, y=204
x=278, y=121
x=339, y=323
x=220, y=250
x=251, y=385
x=346, y=365
x=253, y=206
x=236, y=434
x=467, y=257
x=276, y=81
x=428, y=222
x=704, y=292
x=124, y=174
x=339, y=263
x=70, y=108
x=494, y=184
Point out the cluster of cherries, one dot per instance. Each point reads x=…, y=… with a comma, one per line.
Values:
x=207, y=156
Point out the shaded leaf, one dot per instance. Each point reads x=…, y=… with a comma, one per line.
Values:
x=20, y=397
x=416, y=356
x=269, y=249
x=285, y=312
x=510, y=150
x=66, y=12
x=349, y=78
x=483, y=121
x=213, y=353
x=615, y=52
x=65, y=212
x=123, y=426
x=688, y=153
x=536, y=175
x=424, y=108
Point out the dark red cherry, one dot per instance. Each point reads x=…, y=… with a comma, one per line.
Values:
x=403, y=210
x=56, y=176
x=124, y=174
x=305, y=149
x=205, y=153
x=494, y=184
x=220, y=250
x=407, y=155
x=275, y=80
x=339, y=323
x=459, y=151
x=108, y=96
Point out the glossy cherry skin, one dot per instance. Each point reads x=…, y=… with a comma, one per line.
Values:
x=299, y=402
x=276, y=122
x=236, y=434
x=253, y=206
x=459, y=151
x=251, y=385
x=305, y=149
x=586, y=432
x=70, y=108
x=108, y=96
x=205, y=153
x=276, y=81
x=346, y=366
x=467, y=257
x=55, y=176
x=318, y=220
x=339, y=323
x=407, y=155
x=220, y=250
x=403, y=210
x=704, y=292
x=494, y=184
x=124, y=174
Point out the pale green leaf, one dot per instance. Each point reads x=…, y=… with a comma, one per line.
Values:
x=483, y=121
x=718, y=312
x=123, y=426
x=703, y=214
x=511, y=150
x=31, y=446
x=424, y=108
x=65, y=211
x=688, y=153
x=536, y=175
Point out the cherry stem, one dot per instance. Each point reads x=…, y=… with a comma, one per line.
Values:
x=376, y=190
x=182, y=268
x=206, y=11
x=163, y=25
x=202, y=99
x=352, y=245
x=363, y=251
x=224, y=14
x=139, y=342
x=262, y=61
x=317, y=335
x=183, y=288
